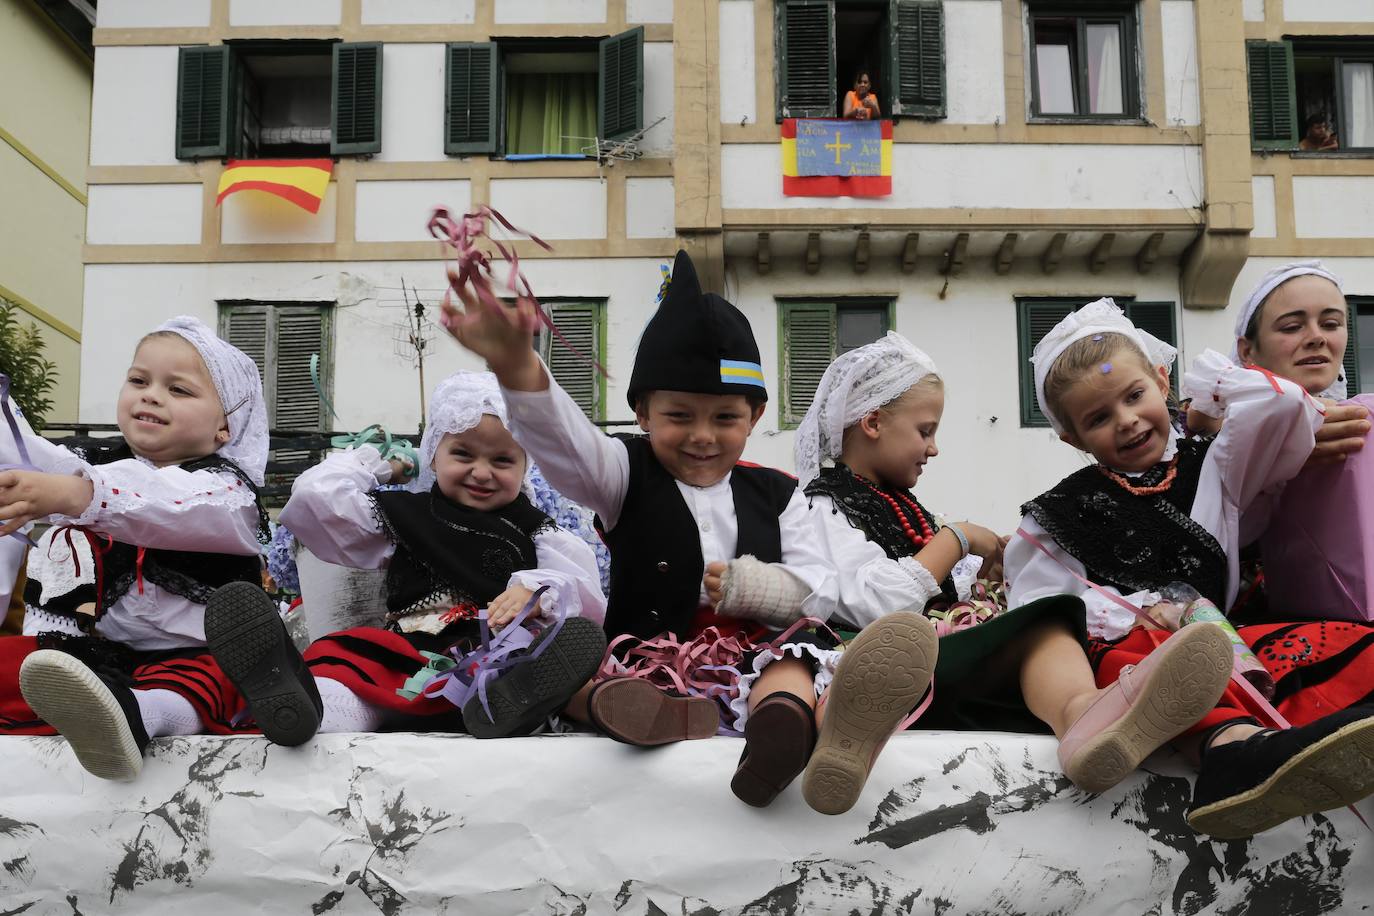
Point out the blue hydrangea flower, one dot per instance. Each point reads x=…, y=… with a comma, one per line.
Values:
x=571, y=517
x=280, y=562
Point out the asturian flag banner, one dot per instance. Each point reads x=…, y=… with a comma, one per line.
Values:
x=834, y=157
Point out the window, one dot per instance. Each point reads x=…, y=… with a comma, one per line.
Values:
x=811, y=334
x=1359, y=348
x=1036, y=317
x=282, y=99
x=543, y=98
x=1315, y=95
x=822, y=45
x=281, y=337
x=583, y=323
x=1083, y=61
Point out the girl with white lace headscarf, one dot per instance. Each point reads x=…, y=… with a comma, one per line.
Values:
x=172, y=512
x=462, y=541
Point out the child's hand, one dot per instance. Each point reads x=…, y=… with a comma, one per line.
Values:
x=506, y=606
x=26, y=496
x=1200, y=422
x=1342, y=432
x=715, y=573
x=502, y=336
x=1165, y=616
x=401, y=471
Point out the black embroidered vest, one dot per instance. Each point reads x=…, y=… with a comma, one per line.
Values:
x=873, y=516
x=656, y=562
x=191, y=574
x=446, y=551
x=1131, y=542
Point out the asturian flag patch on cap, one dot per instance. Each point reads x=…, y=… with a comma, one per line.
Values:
x=738, y=372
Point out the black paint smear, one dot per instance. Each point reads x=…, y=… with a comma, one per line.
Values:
x=822, y=886
x=22, y=909
x=326, y=903
x=377, y=889
x=10, y=827
x=1305, y=882
x=71, y=902
x=940, y=906
x=977, y=814
x=20, y=868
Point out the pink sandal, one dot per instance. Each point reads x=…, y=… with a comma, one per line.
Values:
x=1150, y=704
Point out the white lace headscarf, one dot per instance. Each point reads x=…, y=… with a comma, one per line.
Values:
x=1100, y=317
x=239, y=385
x=1268, y=283
x=457, y=405
x=856, y=384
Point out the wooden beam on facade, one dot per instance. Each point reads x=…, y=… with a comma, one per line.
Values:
x=909, y=252
x=813, y=252
x=861, y=253
x=954, y=256
x=764, y=257
x=1049, y=261
x=1006, y=253
x=1101, y=252
x=1149, y=252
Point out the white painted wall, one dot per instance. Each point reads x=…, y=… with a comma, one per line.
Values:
x=737, y=86
x=133, y=106
x=649, y=208
x=399, y=211
x=1262, y=191
x=276, y=12
x=406, y=12
x=535, y=11
x=1333, y=206
x=553, y=208
x=125, y=301
x=658, y=98
x=412, y=103
x=259, y=218
x=1328, y=10
x=1182, y=104
x=1253, y=10
x=143, y=214
x=637, y=11
x=1026, y=176
x=974, y=81
x=136, y=14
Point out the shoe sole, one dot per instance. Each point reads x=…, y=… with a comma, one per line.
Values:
x=1335, y=771
x=633, y=711
x=248, y=640
x=72, y=699
x=779, y=738
x=880, y=678
x=528, y=694
x=1179, y=691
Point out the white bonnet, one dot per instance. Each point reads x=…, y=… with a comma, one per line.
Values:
x=1267, y=284
x=855, y=384
x=457, y=405
x=1100, y=317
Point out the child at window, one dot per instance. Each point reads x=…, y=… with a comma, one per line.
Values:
x=862, y=446
x=463, y=537
x=171, y=513
x=1317, y=133
x=1158, y=509
x=860, y=103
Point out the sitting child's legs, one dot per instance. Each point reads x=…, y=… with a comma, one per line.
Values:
x=166, y=712
x=345, y=711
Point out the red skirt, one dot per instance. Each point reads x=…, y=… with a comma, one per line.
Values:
x=373, y=663
x=1319, y=667
x=192, y=673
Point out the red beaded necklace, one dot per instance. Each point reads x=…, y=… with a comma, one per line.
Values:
x=903, y=518
x=1161, y=487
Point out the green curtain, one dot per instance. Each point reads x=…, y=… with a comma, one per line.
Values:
x=543, y=108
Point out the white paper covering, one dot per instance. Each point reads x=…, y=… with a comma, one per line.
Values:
x=401, y=823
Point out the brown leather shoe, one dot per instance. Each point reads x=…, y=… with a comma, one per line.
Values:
x=636, y=712
x=779, y=736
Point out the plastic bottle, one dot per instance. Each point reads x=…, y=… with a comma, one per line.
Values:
x=1197, y=609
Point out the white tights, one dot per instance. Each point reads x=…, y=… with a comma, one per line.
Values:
x=344, y=710
x=166, y=712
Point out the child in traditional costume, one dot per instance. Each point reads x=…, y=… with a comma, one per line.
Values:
x=461, y=545
x=1157, y=509
x=677, y=507
x=171, y=514
x=860, y=449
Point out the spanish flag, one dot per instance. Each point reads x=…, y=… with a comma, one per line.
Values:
x=301, y=181
x=834, y=157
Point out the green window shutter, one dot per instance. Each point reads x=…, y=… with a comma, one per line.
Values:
x=806, y=58
x=203, y=103
x=245, y=326
x=356, y=125
x=918, y=58
x=470, y=105
x=620, y=87
x=1035, y=319
x=1273, y=100
x=1157, y=318
x=1351, y=362
x=808, y=346
x=581, y=324
x=300, y=333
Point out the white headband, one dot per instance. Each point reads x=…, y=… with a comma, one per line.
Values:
x=1267, y=284
x=239, y=386
x=457, y=405
x=855, y=384
x=1100, y=317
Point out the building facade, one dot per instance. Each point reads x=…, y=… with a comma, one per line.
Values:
x=45, y=104
x=1043, y=154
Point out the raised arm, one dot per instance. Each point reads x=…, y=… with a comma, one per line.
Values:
x=331, y=513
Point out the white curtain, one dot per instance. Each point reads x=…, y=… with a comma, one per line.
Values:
x=1055, y=75
x=1104, y=69
x=1357, y=82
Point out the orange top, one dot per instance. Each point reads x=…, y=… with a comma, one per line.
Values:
x=851, y=100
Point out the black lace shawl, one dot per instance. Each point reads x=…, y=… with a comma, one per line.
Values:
x=873, y=516
x=1136, y=543
x=449, y=551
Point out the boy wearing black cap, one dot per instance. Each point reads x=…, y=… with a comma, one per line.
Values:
x=676, y=508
